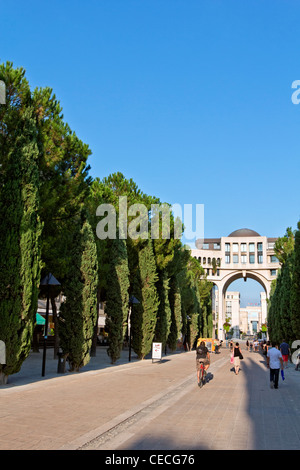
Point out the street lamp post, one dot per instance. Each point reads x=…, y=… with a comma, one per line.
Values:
x=132, y=300
x=48, y=281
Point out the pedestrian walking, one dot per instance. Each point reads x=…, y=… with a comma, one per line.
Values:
x=285, y=351
x=237, y=355
x=247, y=345
x=274, y=363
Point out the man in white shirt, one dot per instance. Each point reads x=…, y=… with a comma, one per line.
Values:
x=275, y=363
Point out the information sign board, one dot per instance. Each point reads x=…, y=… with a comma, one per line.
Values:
x=156, y=351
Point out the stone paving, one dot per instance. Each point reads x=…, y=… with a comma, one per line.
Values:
x=140, y=405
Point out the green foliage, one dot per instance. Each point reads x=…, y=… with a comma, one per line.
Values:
x=117, y=297
x=283, y=305
x=144, y=314
x=163, y=324
x=78, y=312
x=284, y=246
x=295, y=288
x=20, y=226
x=176, y=315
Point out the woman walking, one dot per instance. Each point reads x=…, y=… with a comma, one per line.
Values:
x=237, y=353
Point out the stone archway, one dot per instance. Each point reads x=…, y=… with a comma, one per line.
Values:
x=223, y=286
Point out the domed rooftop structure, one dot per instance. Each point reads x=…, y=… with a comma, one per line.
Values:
x=244, y=232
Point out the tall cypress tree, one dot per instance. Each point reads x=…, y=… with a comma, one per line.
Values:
x=78, y=313
x=295, y=289
x=20, y=227
x=285, y=298
x=144, y=314
x=176, y=314
x=163, y=323
x=117, y=297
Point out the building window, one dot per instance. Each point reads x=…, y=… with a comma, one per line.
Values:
x=235, y=259
x=235, y=247
x=273, y=272
x=243, y=259
x=243, y=247
x=259, y=247
x=251, y=259
x=251, y=248
x=205, y=246
x=204, y=260
x=260, y=258
x=217, y=246
x=274, y=259
x=228, y=309
x=227, y=259
x=227, y=247
x=209, y=260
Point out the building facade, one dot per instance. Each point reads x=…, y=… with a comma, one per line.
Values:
x=243, y=254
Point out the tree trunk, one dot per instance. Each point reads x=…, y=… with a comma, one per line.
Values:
x=3, y=378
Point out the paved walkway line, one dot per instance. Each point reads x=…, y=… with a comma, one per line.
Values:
x=118, y=432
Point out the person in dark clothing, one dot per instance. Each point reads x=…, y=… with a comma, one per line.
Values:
x=236, y=357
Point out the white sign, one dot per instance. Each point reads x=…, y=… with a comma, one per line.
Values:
x=156, y=350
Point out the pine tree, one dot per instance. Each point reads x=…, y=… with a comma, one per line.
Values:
x=20, y=227
x=78, y=313
x=117, y=297
x=144, y=289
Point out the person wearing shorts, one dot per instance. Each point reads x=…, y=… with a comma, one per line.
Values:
x=285, y=352
x=202, y=355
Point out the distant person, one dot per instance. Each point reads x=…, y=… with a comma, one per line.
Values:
x=274, y=363
x=202, y=355
x=237, y=353
x=285, y=351
x=247, y=345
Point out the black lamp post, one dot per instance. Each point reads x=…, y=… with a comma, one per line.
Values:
x=48, y=281
x=132, y=300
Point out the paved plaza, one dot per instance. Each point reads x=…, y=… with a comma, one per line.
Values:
x=145, y=405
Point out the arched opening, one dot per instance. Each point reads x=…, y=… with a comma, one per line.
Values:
x=245, y=304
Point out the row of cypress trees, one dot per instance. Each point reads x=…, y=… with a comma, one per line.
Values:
x=48, y=223
x=171, y=287
x=284, y=302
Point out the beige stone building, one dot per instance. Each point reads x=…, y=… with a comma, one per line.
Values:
x=242, y=254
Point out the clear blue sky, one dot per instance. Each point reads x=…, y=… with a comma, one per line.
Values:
x=190, y=98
